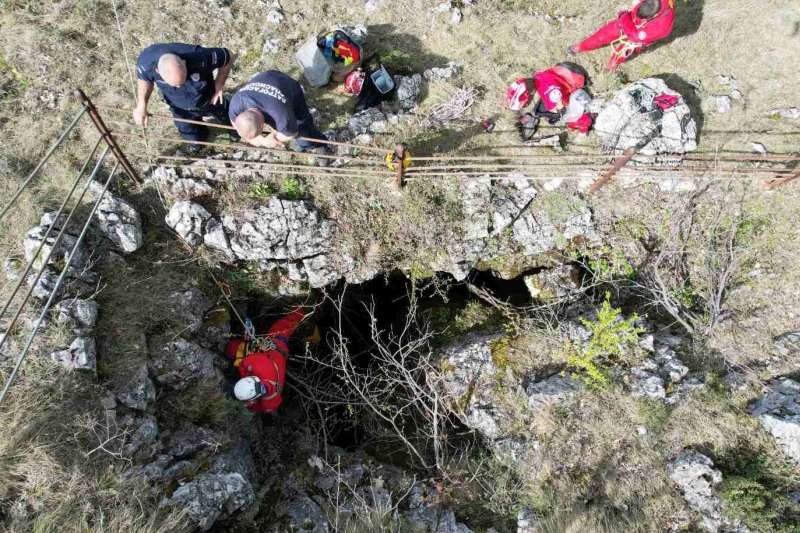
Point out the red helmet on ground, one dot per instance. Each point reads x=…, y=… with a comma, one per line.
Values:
x=232, y=349
x=355, y=82
x=518, y=95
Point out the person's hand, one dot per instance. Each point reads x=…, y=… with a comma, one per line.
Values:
x=219, y=96
x=140, y=116
x=268, y=141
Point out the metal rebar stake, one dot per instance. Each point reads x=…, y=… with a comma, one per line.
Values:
x=106, y=133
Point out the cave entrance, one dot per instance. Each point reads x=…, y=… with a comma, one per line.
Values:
x=351, y=309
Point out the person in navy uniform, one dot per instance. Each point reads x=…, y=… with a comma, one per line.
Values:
x=184, y=74
x=275, y=99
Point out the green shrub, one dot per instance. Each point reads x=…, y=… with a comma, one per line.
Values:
x=610, y=335
x=292, y=188
x=262, y=191
x=754, y=490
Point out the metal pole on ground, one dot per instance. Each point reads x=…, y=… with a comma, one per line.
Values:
x=60, y=280
x=618, y=164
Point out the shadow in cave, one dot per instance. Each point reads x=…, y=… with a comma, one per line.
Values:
x=385, y=299
x=690, y=95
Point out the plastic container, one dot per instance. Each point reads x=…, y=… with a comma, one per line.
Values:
x=316, y=68
x=382, y=81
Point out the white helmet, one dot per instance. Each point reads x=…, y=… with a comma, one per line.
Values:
x=249, y=388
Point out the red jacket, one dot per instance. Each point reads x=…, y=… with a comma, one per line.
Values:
x=647, y=31
x=555, y=85
x=270, y=366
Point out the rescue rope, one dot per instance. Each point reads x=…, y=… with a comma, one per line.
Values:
x=133, y=88
x=221, y=288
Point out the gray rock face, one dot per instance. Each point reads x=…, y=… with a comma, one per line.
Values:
x=786, y=113
x=78, y=315
x=138, y=390
x=632, y=119
x=778, y=412
x=526, y=520
x=408, y=88
x=216, y=238
x=552, y=390
x=188, y=219
x=191, y=188
x=368, y=121
x=190, y=439
x=145, y=434
x=60, y=251
x=211, y=497
x=698, y=480
x=426, y=515
x=305, y=515
x=470, y=372
x=560, y=283
x=46, y=285
x=446, y=72
x=13, y=268
x=119, y=221
x=663, y=371
x=188, y=308
x=787, y=343
x=179, y=363
x=81, y=355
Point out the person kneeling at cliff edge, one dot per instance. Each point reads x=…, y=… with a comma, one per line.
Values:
x=275, y=99
x=261, y=361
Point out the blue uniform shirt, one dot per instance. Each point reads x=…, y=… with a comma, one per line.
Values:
x=279, y=98
x=201, y=62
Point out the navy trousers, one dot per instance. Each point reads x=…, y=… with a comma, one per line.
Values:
x=306, y=127
x=196, y=132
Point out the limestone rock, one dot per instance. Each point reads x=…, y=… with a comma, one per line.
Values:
x=456, y=16
x=212, y=496
x=778, y=412
x=787, y=343
x=365, y=121
x=191, y=188
x=46, y=285
x=786, y=113
x=371, y=5
x=558, y=283
x=216, y=238
x=180, y=362
x=305, y=515
x=469, y=373
x=632, y=119
x=190, y=439
x=119, y=221
x=446, y=72
x=78, y=315
x=145, y=434
x=699, y=481
x=138, y=389
x=271, y=47
x=188, y=308
x=553, y=390
x=408, y=88
x=13, y=267
x=81, y=355
x=722, y=104
x=59, y=252
x=187, y=219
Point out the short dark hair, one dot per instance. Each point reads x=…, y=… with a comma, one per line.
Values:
x=648, y=9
